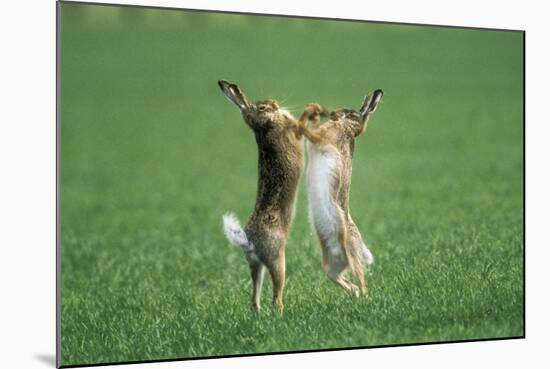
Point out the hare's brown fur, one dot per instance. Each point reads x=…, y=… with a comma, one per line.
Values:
x=280, y=165
x=341, y=243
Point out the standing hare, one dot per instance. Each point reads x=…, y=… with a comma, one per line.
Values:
x=329, y=179
x=280, y=164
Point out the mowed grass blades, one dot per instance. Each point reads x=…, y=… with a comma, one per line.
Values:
x=152, y=155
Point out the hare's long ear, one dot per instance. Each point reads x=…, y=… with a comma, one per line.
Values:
x=369, y=104
x=233, y=93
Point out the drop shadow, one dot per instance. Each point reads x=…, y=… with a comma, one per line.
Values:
x=48, y=359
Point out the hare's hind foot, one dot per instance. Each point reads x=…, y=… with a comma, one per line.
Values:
x=337, y=273
x=354, y=290
x=279, y=307
x=350, y=287
x=343, y=282
x=357, y=291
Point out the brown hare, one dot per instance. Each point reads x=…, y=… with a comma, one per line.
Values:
x=329, y=178
x=280, y=164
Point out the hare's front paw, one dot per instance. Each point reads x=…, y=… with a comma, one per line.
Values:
x=313, y=110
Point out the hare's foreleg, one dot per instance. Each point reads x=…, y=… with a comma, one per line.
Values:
x=312, y=135
x=311, y=113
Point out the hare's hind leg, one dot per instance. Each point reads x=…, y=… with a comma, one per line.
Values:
x=333, y=267
x=361, y=257
x=257, y=270
x=358, y=269
x=360, y=279
x=277, y=270
x=339, y=261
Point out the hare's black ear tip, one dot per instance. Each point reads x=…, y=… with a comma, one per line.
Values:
x=377, y=96
x=222, y=83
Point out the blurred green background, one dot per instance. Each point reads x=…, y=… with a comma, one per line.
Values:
x=152, y=155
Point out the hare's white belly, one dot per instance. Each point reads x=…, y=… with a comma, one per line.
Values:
x=324, y=213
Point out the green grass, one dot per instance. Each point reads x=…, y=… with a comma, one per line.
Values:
x=153, y=155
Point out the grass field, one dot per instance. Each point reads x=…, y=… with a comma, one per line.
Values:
x=152, y=155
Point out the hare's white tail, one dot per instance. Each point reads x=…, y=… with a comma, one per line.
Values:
x=369, y=259
x=235, y=233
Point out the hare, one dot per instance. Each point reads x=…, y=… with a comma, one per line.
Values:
x=328, y=182
x=280, y=165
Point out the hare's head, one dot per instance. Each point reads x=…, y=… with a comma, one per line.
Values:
x=345, y=115
x=260, y=114
x=358, y=118
x=353, y=116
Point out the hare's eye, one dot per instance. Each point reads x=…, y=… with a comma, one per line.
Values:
x=262, y=108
